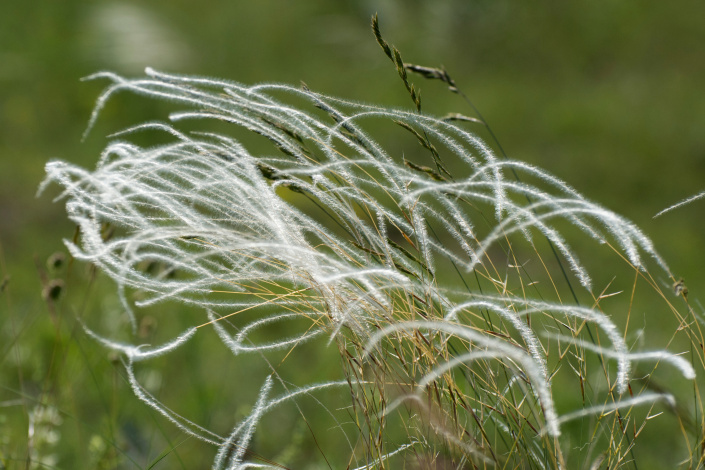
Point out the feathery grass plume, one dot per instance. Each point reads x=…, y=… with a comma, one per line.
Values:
x=685, y=201
x=328, y=231
x=235, y=460
x=685, y=368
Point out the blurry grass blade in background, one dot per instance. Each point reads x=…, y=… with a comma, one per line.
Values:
x=416, y=267
x=128, y=36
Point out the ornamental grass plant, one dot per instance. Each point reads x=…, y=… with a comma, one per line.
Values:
x=469, y=331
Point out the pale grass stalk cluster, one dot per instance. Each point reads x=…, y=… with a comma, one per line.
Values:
x=413, y=269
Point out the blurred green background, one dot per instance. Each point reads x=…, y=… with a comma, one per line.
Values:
x=609, y=96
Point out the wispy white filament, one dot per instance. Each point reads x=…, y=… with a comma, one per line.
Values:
x=681, y=203
x=142, y=352
x=243, y=432
x=685, y=368
x=644, y=398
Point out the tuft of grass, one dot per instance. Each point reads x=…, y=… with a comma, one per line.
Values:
x=439, y=278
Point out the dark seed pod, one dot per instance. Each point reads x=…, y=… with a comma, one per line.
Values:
x=56, y=261
x=53, y=289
